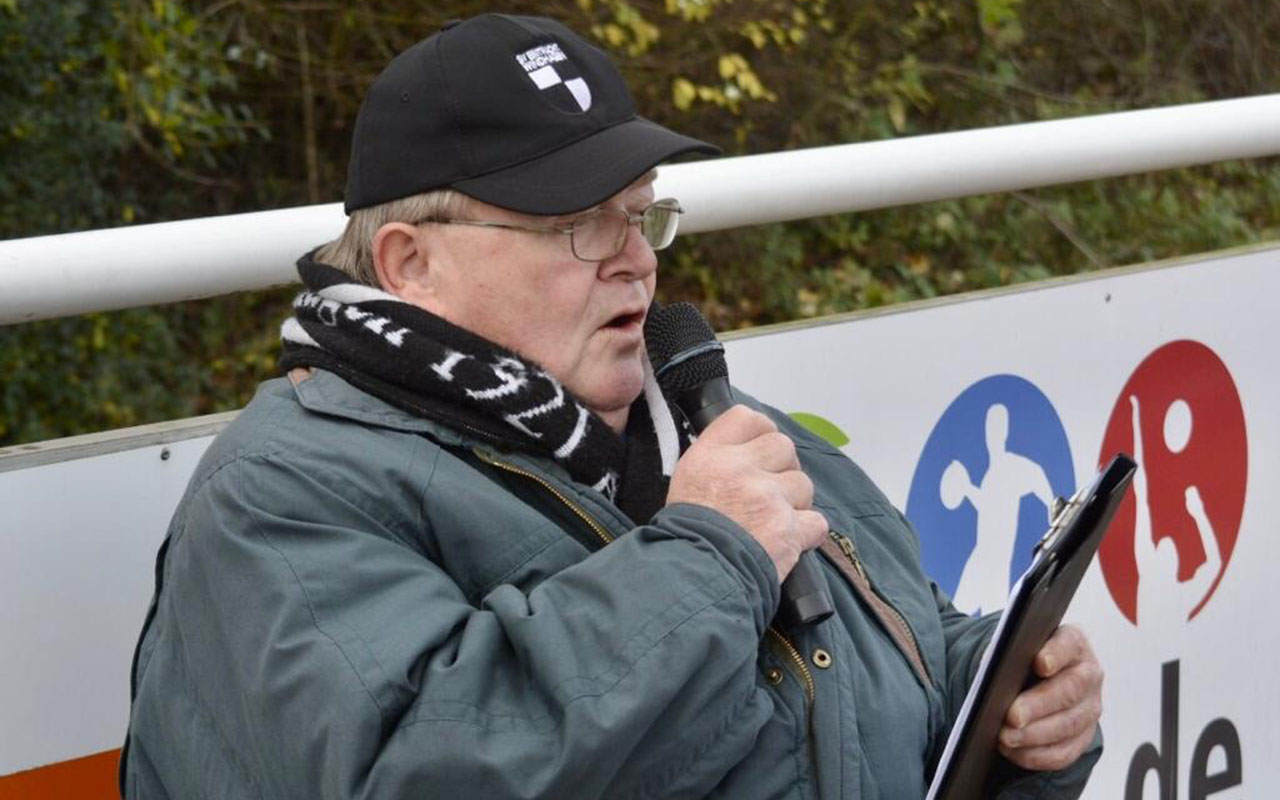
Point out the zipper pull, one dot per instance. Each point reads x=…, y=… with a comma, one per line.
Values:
x=851, y=552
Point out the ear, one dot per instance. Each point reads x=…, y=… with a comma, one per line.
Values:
x=401, y=261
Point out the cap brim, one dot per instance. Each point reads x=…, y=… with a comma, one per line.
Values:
x=585, y=173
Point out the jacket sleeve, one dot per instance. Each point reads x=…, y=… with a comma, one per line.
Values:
x=966, y=639
x=335, y=660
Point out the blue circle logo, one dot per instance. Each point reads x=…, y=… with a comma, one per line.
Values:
x=981, y=493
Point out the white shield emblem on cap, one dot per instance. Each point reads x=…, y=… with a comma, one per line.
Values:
x=552, y=72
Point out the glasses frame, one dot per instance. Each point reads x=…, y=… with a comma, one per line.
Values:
x=669, y=204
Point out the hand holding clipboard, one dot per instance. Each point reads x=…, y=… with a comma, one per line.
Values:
x=1035, y=609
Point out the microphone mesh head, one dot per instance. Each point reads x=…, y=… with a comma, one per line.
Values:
x=678, y=333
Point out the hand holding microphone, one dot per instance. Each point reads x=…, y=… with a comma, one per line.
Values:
x=741, y=465
x=745, y=469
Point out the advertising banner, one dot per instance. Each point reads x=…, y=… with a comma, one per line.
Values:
x=973, y=415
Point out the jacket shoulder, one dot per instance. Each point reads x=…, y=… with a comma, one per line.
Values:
x=277, y=457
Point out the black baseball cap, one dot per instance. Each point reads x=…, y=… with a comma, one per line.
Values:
x=519, y=112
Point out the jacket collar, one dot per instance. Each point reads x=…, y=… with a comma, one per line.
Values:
x=326, y=393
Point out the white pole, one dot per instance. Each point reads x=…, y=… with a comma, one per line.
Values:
x=113, y=268
x=74, y=273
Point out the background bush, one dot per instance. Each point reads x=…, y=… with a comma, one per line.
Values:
x=122, y=111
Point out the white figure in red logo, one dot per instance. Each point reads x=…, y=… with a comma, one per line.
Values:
x=984, y=583
x=1163, y=600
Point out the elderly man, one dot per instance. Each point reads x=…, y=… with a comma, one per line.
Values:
x=467, y=548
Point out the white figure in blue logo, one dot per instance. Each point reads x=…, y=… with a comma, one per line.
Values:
x=1164, y=601
x=984, y=583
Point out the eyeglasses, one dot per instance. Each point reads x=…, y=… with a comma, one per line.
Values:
x=600, y=234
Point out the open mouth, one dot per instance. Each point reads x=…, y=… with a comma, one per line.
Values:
x=625, y=320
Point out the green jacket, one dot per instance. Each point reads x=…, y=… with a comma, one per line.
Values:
x=355, y=602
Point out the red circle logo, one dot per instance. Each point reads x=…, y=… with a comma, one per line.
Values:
x=1173, y=535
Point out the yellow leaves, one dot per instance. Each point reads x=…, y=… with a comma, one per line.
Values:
x=765, y=31
x=612, y=34
x=628, y=31
x=683, y=93
x=919, y=263
x=1000, y=22
x=807, y=302
x=754, y=32
x=691, y=10
x=740, y=82
x=173, y=141
x=736, y=84
x=897, y=113
x=99, y=333
x=756, y=90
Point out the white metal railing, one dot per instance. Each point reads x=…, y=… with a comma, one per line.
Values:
x=65, y=274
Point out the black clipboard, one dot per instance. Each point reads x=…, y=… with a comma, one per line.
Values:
x=1034, y=611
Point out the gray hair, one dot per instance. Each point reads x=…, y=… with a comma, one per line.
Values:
x=352, y=252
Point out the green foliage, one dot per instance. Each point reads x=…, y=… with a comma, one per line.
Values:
x=110, y=110
x=123, y=111
x=57, y=131
x=100, y=371
x=113, y=109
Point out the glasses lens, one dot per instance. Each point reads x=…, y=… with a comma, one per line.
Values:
x=601, y=234
x=598, y=235
x=660, y=222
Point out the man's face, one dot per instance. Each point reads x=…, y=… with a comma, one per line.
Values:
x=582, y=321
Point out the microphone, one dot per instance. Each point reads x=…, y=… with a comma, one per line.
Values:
x=689, y=365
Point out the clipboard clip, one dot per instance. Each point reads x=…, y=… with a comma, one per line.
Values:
x=1062, y=512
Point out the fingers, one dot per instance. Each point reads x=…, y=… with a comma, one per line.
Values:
x=1063, y=726
x=813, y=527
x=796, y=488
x=770, y=449
x=1051, y=757
x=738, y=425
x=1069, y=680
x=1065, y=647
x=806, y=531
x=743, y=467
x=1049, y=725
x=774, y=451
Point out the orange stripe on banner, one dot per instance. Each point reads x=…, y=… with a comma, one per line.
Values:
x=88, y=778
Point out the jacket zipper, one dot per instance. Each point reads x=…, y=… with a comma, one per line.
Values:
x=793, y=655
x=596, y=528
x=912, y=650
x=810, y=697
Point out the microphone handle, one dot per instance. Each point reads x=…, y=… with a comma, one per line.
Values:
x=703, y=403
x=805, y=598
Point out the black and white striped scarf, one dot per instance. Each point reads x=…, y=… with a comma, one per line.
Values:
x=431, y=368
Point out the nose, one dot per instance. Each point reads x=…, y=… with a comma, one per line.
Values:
x=635, y=261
